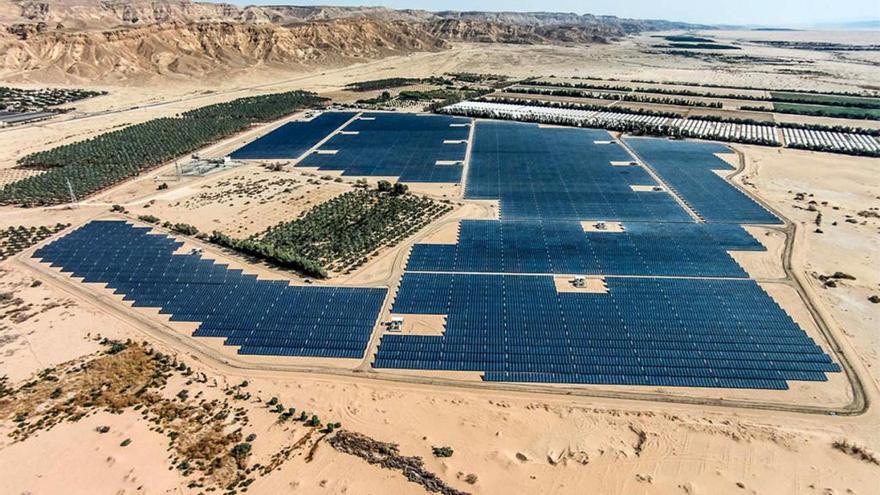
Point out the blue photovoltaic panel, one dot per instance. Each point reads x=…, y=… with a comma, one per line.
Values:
x=260, y=316
x=293, y=139
x=688, y=167
x=661, y=321
x=659, y=249
x=662, y=332
x=561, y=174
x=406, y=146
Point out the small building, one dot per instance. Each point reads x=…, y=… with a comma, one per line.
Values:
x=395, y=324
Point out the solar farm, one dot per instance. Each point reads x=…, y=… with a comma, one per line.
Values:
x=609, y=263
x=262, y=317
x=413, y=148
x=293, y=139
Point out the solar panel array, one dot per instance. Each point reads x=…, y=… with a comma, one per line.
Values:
x=644, y=331
x=657, y=324
x=560, y=173
x=407, y=146
x=293, y=139
x=670, y=249
x=664, y=320
x=688, y=167
x=263, y=317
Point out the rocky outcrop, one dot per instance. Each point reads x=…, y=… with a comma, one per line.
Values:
x=197, y=49
x=117, y=39
x=494, y=32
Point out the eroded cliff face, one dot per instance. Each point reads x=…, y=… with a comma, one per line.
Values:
x=201, y=48
x=104, y=14
x=495, y=32
x=61, y=40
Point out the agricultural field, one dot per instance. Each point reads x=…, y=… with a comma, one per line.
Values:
x=344, y=233
x=847, y=106
x=86, y=167
x=703, y=108
x=14, y=240
x=827, y=111
x=833, y=100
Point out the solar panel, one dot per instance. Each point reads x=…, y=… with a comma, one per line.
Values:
x=293, y=139
x=688, y=167
x=563, y=247
x=406, y=146
x=678, y=311
x=261, y=316
x=560, y=174
x=648, y=331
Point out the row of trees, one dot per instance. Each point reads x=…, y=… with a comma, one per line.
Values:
x=476, y=78
x=873, y=94
x=686, y=38
x=14, y=240
x=342, y=233
x=774, y=95
x=581, y=106
x=699, y=46
x=578, y=93
x=394, y=82
x=819, y=111
x=642, y=129
x=91, y=165
x=267, y=252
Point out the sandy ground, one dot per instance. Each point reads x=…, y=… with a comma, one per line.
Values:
x=763, y=265
x=414, y=324
x=514, y=441
x=240, y=202
x=841, y=187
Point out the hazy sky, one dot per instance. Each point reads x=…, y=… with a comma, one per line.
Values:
x=763, y=12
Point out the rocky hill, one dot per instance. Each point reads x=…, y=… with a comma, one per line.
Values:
x=115, y=39
x=201, y=48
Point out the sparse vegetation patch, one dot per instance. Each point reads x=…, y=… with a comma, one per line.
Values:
x=388, y=456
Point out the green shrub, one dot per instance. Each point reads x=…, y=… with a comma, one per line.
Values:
x=442, y=451
x=149, y=219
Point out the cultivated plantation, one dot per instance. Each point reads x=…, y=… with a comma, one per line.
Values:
x=85, y=167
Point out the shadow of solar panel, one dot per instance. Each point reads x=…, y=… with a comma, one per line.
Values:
x=261, y=316
x=688, y=167
x=644, y=331
x=407, y=146
x=293, y=139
